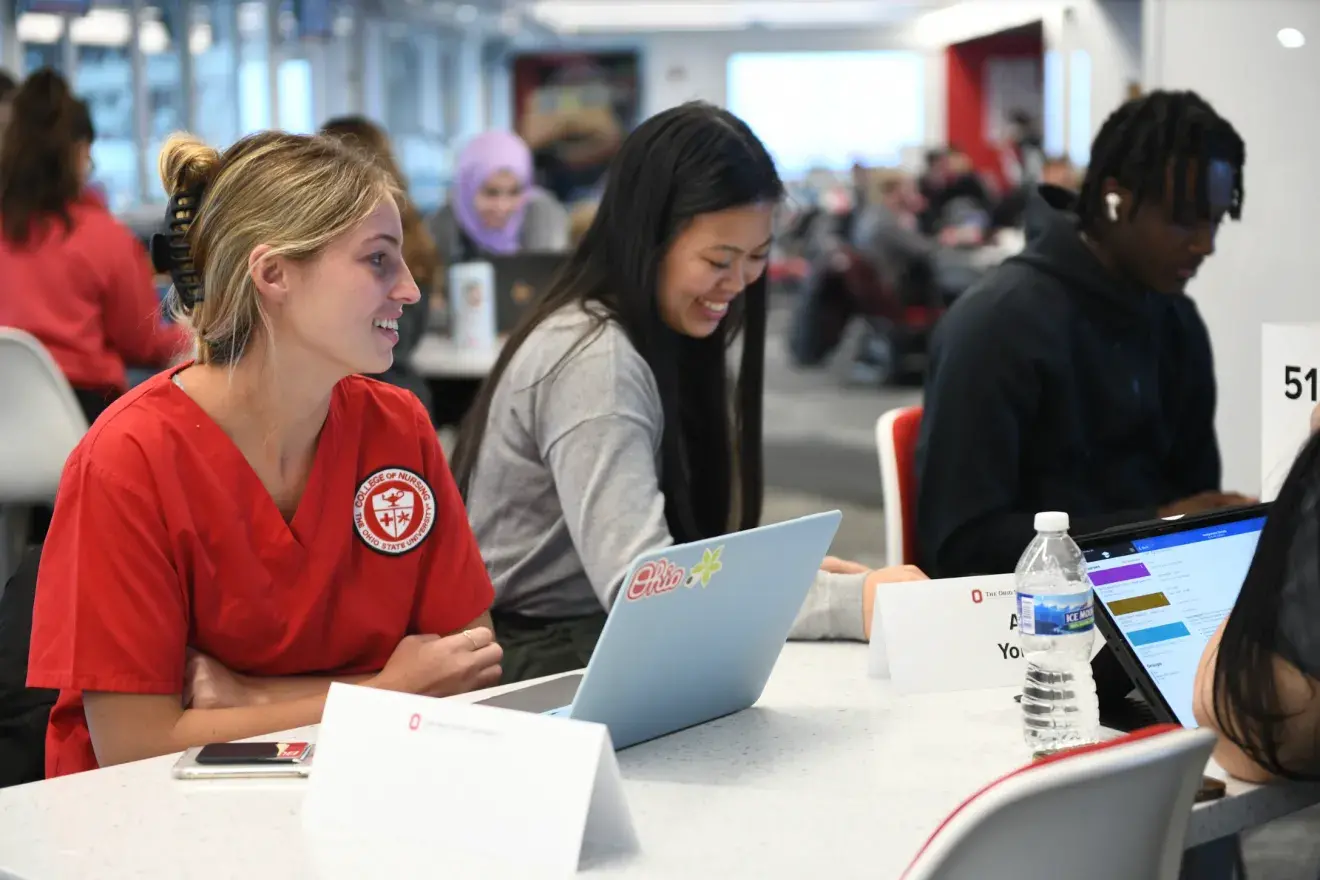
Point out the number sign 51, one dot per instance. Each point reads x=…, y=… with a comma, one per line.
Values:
x=1289, y=352
x=1299, y=382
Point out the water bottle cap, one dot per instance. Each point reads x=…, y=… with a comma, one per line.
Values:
x=1052, y=521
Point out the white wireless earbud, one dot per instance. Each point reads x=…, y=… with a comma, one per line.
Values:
x=1113, y=200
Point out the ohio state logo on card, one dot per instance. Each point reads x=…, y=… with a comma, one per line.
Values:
x=393, y=511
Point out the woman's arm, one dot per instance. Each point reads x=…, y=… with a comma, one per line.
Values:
x=209, y=684
x=1299, y=736
x=841, y=603
x=1227, y=754
x=607, y=464
x=131, y=727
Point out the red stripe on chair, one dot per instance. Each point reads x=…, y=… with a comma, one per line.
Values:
x=907, y=429
x=1144, y=733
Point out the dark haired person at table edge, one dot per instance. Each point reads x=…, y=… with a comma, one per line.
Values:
x=608, y=426
x=1258, y=684
x=1078, y=375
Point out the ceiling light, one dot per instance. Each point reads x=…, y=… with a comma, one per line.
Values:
x=39, y=27
x=659, y=15
x=1291, y=38
x=465, y=14
x=200, y=38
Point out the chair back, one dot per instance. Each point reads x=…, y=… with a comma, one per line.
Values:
x=40, y=420
x=1118, y=809
x=896, y=435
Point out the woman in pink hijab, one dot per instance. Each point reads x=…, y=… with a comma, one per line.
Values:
x=494, y=209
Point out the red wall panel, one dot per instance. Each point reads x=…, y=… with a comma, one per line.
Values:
x=966, y=124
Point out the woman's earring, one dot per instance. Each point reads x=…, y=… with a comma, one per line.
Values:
x=1113, y=200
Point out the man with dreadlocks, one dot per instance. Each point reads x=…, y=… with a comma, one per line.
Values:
x=1078, y=375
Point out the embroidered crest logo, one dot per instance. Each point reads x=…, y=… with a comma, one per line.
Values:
x=393, y=511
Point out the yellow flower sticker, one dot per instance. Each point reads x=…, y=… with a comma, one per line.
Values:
x=708, y=566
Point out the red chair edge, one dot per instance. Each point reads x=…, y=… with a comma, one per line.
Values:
x=904, y=435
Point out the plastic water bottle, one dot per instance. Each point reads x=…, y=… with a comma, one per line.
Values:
x=1056, y=622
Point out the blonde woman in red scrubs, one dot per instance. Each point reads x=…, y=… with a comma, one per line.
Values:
x=235, y=534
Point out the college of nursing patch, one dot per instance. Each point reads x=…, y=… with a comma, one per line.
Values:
x=393, y=511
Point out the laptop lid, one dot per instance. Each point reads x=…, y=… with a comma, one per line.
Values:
x=696, y=628
x=1162, y=589
x=519, y=280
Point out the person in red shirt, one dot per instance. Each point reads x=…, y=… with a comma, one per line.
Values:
x=73, y=276
x=236, y=533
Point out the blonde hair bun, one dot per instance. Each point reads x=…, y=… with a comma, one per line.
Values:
x=186, y=163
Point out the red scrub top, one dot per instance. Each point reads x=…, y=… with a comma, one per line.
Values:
x=88, y=296
x=164, y=538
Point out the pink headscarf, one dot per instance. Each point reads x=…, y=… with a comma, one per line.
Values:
x=484, y=155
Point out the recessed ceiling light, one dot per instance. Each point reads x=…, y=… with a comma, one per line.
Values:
x=1291, y=38
x=466, y=14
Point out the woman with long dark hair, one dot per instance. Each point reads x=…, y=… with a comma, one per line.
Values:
x=1258, y=684
x=74, y=277
x=610, y=425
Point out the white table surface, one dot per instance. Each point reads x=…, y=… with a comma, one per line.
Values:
x=437, y=357
x=830, y=768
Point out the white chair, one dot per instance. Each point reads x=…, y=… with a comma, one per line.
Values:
x=1118, y=810
x=40, y=423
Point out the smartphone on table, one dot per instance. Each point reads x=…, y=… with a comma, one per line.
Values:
x=246, y=760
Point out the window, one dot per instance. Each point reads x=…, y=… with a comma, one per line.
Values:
x=1056, y=141
x=413, y=112
x=254, y=67
x=295, y=82
x=214, y=46
x=39, y=36
x=846, y=107
x=161, y=36
x=104, y=79
x=1079, y=108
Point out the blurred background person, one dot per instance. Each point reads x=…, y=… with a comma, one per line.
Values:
x=8, y=85
x=494, y=209
x=73, y=276
x=1022, y=156
x=954, y=192
x=419, y=252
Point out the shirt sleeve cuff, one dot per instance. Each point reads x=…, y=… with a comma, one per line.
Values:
x=832, y=610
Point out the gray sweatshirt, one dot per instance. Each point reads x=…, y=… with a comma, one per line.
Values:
x=566, y=490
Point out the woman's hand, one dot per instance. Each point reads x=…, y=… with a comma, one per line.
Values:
x=834, y=565
x=895, y=574
x=209, y=684
x=441, y=666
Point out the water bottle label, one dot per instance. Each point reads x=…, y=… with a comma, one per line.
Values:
x=1055, y=615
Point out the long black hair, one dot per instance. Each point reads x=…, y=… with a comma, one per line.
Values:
x=1270, y=620
x=1143, y=136
x=684, y=162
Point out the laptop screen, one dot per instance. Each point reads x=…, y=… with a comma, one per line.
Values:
x=1167, y=593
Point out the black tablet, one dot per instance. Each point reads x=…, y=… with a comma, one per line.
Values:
x=1161, y=590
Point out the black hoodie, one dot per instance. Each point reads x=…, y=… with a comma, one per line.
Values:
x=1053, y=385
